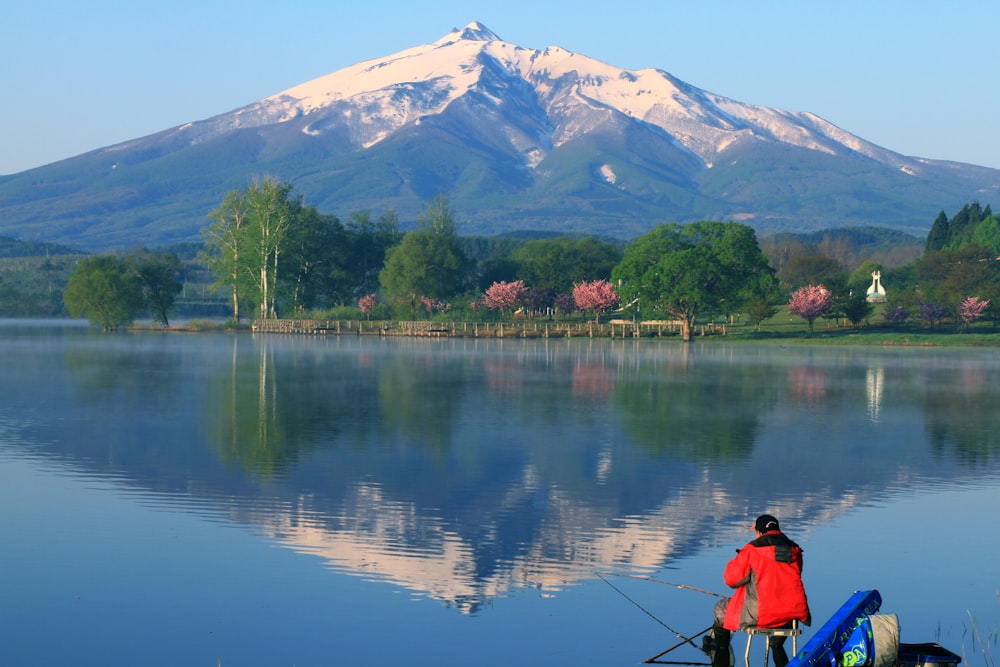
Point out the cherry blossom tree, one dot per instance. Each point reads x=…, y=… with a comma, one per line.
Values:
x=598, y=294
x=972, y=308
x=503, y=295
x=367, y=304
x=810, y=302
x=434, y=305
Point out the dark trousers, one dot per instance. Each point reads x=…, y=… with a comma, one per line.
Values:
x=720, y=636
x=777, y=645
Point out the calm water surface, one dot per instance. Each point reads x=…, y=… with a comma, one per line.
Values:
x=173, y=499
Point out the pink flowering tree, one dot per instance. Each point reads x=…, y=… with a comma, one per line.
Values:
x=597, y=295
x=434, y=305
x=367, y=304
x=810, y=302
x=503, y=295
x=972, y=308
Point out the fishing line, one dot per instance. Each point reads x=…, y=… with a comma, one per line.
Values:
x=644, y=610
x=670, y=583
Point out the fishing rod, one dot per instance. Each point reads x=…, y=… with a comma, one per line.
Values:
x=649, y=613
x=669, y=583
x=685, y=640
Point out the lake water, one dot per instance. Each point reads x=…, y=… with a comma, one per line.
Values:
x=176, y=499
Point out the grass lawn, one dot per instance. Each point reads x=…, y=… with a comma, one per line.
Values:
x=786, y=328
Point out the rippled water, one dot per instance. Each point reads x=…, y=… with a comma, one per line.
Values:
x=194, y=499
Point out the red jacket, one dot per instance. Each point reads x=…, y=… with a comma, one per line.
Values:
x=767, y=576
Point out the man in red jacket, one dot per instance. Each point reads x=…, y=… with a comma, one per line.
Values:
x=767, y=576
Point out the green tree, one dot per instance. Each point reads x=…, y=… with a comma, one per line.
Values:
x=964, y=224
x=940, y=233
x=856, y=307
x=428, y=262
x=227, y=248
x=314, y=249
x=987, y=233
x=369, y=240
x=950, y=276
x=271, y=212
x=759, y=310
x=103, y=289
x=160, y=278
x=815, y=270
x=555, y=265
x=246, y=241
x=683, y=271
x=971, y=225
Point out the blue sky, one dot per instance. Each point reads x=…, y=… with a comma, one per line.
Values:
x=916, y=77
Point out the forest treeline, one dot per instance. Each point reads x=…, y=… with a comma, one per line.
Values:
x=266, y=253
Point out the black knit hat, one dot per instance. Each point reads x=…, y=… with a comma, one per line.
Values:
x=766, y=522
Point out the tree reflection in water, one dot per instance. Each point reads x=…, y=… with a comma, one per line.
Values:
x=467, y=469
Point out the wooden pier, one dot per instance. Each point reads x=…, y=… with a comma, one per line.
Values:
x=525, y=329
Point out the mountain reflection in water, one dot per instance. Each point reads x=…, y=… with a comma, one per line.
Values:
x=467, y=470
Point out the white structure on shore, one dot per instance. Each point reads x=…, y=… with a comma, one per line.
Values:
x=876, y=293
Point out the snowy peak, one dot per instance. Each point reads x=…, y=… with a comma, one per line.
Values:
x=576, y=94
x=449, y=64
x=474, y=32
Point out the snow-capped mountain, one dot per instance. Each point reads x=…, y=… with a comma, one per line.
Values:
x=518, y=138
x=574, y=95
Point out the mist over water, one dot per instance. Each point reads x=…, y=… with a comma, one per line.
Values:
x=261, y=500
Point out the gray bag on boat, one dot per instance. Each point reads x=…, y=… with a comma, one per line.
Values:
x=885, y=632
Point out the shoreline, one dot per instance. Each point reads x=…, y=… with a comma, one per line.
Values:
x=913, y=336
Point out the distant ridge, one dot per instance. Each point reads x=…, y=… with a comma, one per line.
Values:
x=518, y=138
x=13, y=248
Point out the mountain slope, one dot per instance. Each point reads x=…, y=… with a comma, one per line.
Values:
x=518, y=138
